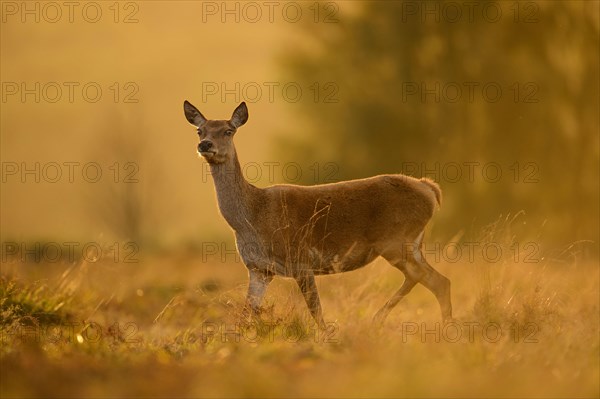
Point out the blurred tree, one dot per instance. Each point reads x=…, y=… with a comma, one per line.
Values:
x=123, y=201
x=422, y=92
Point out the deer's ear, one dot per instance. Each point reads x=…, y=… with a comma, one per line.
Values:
x=193, y=115
x=240, y=115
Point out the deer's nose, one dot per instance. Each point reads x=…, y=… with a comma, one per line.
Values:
x=205, y=145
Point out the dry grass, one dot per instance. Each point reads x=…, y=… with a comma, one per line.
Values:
x=169, y=326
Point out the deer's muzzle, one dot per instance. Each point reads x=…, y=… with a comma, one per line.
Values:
x=205, y=146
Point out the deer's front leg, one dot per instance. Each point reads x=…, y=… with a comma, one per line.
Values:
x=257, y=286
x=308, y=286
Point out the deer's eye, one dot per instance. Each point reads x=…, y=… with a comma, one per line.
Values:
x=228, y=132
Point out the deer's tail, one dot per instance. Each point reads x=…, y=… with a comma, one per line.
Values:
x=437, y=191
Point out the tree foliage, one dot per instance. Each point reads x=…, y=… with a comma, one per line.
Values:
x=418, y=93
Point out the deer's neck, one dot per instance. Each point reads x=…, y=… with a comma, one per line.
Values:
x=235, y=195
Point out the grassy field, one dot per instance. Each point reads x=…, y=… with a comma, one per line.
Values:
x=169, y=325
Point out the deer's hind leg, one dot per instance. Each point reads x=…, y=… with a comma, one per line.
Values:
x=433, y=280
x=412, y=263
x=411, y=278
x=438, y=284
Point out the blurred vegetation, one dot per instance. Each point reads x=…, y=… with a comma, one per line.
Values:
x=123, y=205
x=97, y=330
x=544, y=124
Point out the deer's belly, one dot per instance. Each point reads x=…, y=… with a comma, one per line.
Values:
x=336, y=263
x=289, y=260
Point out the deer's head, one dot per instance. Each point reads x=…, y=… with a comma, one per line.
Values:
x=216, y=136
